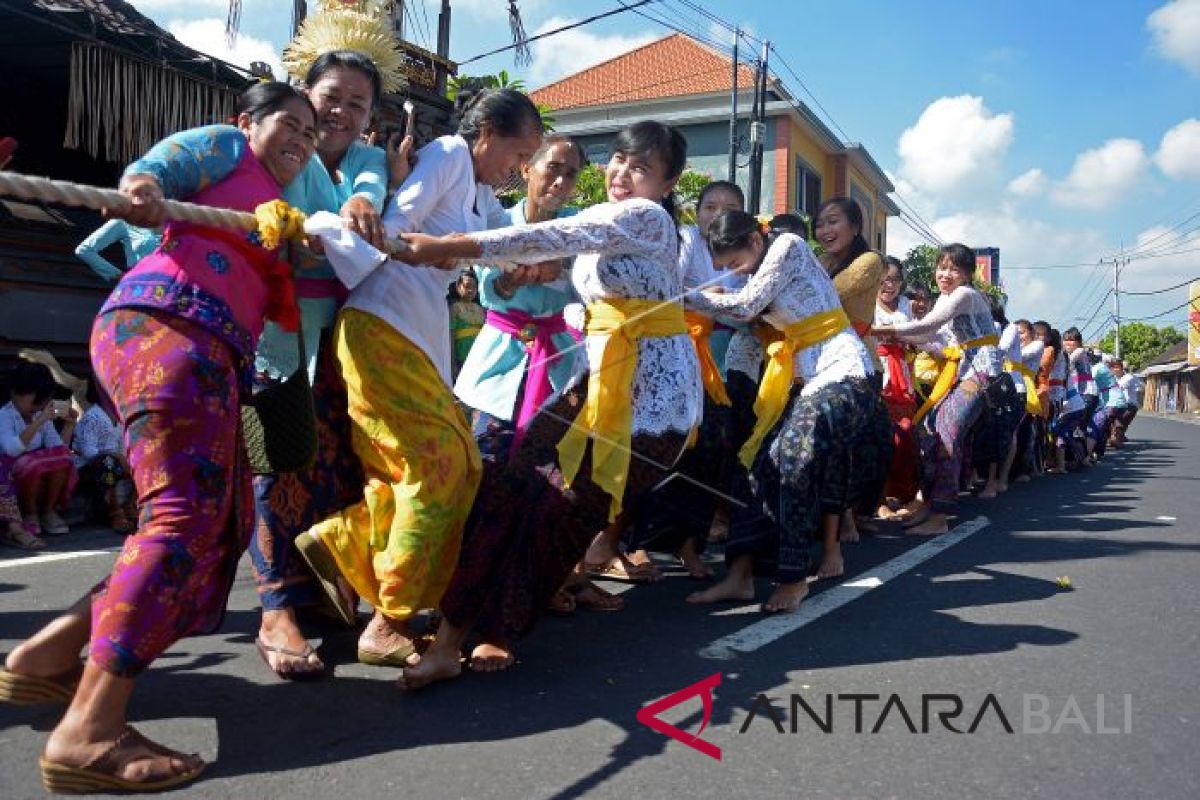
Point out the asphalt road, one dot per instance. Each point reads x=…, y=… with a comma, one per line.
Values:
x=983, y=617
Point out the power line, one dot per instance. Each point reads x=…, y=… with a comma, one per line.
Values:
x=1163, y=314
x=1168, y=289
x=1099, y=306
x=579, y=24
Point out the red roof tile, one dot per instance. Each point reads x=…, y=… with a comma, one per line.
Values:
x=673, y=66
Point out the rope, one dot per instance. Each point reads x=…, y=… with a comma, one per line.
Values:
x=28, y=187
x=47, y=190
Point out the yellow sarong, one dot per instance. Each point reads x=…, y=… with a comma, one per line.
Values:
x=399, y=545
x=776, y=384
x=1033, y=403
x=607, y=415
x=700, y=328
x=949, y=374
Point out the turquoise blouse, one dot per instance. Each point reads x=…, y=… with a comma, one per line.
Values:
x=490, y=378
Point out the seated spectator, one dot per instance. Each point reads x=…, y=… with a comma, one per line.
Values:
x=41, y=467
x=12, y=532
x=100, y=459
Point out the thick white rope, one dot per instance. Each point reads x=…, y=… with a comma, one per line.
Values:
x=29, y=187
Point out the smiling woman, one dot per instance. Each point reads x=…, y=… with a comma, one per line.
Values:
x=172, y=347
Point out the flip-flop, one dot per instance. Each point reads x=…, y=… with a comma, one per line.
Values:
x=326, y=571
x=26, y=690
x=100, y=774
x=265, y=651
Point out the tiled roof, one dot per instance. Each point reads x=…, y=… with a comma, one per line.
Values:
x=673, y=66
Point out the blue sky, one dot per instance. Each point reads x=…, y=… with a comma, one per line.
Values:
x=1054, y=130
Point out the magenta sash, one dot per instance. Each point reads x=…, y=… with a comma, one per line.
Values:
x=537, y=334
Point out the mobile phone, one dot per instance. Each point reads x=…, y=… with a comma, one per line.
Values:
x=60, y=408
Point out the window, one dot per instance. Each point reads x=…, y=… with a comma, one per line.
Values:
x=597, y=153
x=808, y=189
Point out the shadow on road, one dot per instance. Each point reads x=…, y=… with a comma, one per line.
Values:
x=602, y=668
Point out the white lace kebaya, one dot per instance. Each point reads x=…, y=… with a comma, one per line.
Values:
x=790, y=285
x=623, y=250
x=961, y=316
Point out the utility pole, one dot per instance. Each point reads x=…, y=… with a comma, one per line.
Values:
x=443, y=44
x=758, y=132
x=733, y=110
x=1117, y=264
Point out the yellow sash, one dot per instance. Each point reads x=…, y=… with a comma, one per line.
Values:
x=949, y=374
x=607, y=414
x=776, y=384
x=1033, y=403
x=468, y=332
x=700, y=328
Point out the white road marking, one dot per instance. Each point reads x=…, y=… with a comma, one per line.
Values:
x=1165, y=519
x=752, y=637
x=51, y=557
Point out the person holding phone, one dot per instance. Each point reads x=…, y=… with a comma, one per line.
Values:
x=41, y=465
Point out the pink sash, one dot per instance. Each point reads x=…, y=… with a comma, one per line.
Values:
x=537, y=334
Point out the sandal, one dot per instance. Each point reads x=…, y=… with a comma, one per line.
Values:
x=265, y=651
x=22, y=537
x=328, y=576
x=26, y=690
x=621, y=569
x=100, y=774
x=395, y=658
x=120, y=523
x=563, y=603
x=590, y=596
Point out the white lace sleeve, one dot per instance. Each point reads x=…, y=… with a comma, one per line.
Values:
x=611, y=229
x=763, y=287
x=946, y=308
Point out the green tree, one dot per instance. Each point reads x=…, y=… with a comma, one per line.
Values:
x=501, y=80
x=1140, y=343
x=919, y=266
x=589, y=190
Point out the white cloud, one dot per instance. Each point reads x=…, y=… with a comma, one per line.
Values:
x=1161, y=257
x=1175, y=29
x=1028, y=184
x=574, y=50
x=956, y=141
x=1179, y=152
x=208, y=36
x=1103, y=175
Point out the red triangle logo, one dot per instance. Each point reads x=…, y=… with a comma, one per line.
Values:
x=648, y=716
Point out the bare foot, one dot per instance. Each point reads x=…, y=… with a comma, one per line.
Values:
x=989, y=493
x=885, y=512
x=831, y=565
x=436, y=665
x=1001, y=488
x=786, y=597
x=730, y=588
x=934, y=525
x=1022, y=479
x=848, y=529
x=642, y=561
x=694, y=563
x=491, y=657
